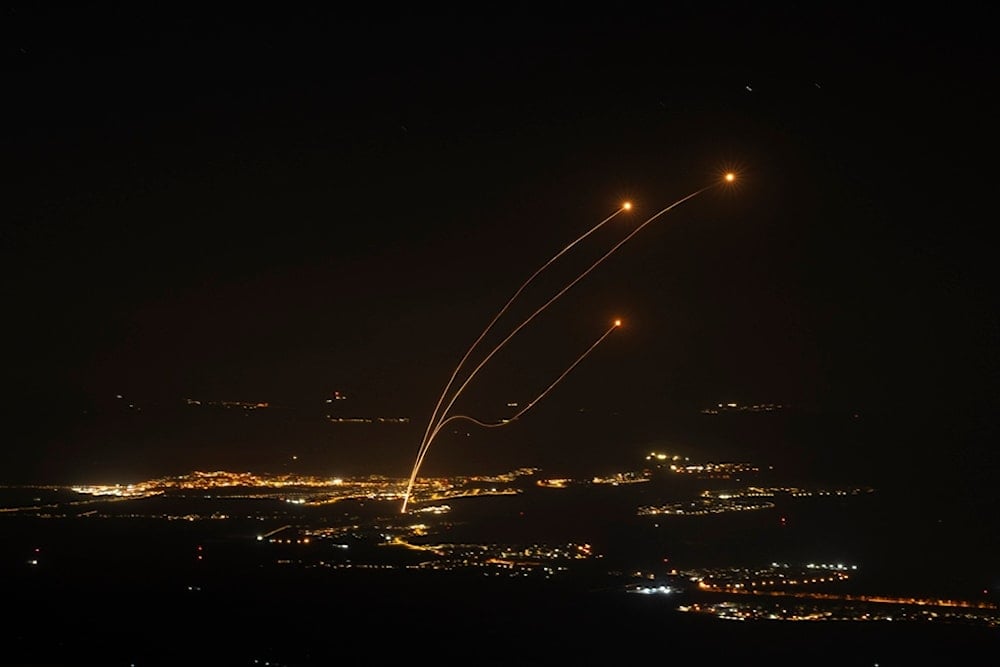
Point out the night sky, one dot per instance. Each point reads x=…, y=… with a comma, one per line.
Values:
x=275, y=204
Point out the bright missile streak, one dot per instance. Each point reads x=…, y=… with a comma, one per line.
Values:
x=435, y=415
x=553, y=299
x=426, y=444
x=542, y=395
x=531, y=404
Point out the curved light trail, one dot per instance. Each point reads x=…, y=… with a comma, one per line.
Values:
x=434, y=415
x=535, y=400
x=439, y=414
x=505, y=422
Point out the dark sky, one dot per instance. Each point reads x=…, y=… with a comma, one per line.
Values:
x=273, y=204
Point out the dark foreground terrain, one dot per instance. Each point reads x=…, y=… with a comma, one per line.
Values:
x=321, y=618
x=152, y=592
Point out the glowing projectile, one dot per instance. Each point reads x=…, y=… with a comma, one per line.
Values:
x=438, y=415
x=435, y=414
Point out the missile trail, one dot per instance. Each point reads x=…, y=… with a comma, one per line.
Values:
x=531, y=404
x=542, y=395
x=552, y=300
x=434, y=415
x=440, y=414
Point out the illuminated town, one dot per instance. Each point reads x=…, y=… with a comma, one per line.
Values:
x=302, y=527
x=720, y=408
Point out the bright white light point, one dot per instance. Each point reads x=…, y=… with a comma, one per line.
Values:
x=730, y=177
x=618, y=323
x=627, y=206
